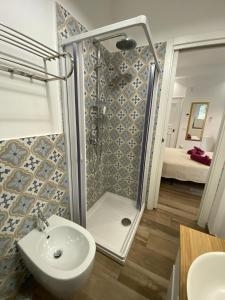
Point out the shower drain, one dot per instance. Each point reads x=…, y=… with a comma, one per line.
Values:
x=126, y=221
x=58, y=253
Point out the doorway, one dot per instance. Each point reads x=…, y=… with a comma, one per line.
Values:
x=199, y=71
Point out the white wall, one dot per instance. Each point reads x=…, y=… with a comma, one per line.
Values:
x=27, y=108
x=32, y=108
x=206, y=90
x=179, y=90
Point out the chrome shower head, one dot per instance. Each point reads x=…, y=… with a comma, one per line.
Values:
x=126, y=44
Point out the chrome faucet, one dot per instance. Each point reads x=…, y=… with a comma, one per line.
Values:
x=42, y=221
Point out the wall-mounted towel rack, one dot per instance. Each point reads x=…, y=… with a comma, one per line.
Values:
x=17, y=66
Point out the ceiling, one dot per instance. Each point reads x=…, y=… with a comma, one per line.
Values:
x=168, y=18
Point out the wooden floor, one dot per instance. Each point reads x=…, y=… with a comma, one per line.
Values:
x=148, y=267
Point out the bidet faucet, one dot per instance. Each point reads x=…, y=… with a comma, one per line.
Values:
x=42, y=221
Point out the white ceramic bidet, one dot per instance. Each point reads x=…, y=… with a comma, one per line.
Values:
x=60, y=257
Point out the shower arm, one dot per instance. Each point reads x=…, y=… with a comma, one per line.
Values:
x=97, y=41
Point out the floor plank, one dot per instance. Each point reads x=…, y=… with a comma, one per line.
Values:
x=149, y=264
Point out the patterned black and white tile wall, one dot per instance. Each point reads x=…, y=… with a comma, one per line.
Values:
x=33, y=173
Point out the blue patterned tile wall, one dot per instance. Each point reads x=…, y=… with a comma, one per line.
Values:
x=129, y=72
x=96, y=172
x=123, y=87
x=33, y=173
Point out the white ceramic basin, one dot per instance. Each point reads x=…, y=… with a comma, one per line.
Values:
x=206, y=277
x=60, y=257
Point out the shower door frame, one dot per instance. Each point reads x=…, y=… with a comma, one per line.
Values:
x=77, y=142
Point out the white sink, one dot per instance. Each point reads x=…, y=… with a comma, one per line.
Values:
x=60, y=257
x=206, y=277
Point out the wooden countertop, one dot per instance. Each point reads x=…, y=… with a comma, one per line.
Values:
x=192, y=244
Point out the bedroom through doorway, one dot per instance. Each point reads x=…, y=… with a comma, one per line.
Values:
x=196, y=113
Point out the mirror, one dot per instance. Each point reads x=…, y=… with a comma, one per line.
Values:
x=196, y=122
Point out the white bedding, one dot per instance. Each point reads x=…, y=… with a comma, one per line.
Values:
x=177, y=164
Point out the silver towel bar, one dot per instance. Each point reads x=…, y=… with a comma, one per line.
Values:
x=19, y=40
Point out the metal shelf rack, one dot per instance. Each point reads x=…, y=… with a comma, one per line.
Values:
x=25, y=43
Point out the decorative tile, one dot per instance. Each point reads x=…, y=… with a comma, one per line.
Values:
x=128, y=107
x=8, y=265
x=62, y=164
x=38, y=205
x=3, y=217
x=28, y=141
x=50, y=209
x=61, y=211
x=45, y=170
x=124, y=67
x=144, y=73
x=6, y=200
x=13, y=154
x=42, y=147
x=4, y=172
x=27, y=224
x=18, y=181
x=131, y=56
x=22, y=205
x=60, y=144
x=142, y=91
x=13, y=249
x=146, y=55
x=129, y=91
x=56, y=177
x=10, y=285
x=137, y=82
x=138, y=65
x=5, y=242
x=31, y=163
x=35, y=186
x=59, y=195
x=10, y=225
x=47, y=191
x=64, y=181
x=65, y=200
x=55, y=156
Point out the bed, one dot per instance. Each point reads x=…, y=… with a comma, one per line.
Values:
x=177, y=164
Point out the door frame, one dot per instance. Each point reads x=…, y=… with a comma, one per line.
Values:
x=74, y=132
x=160, y=133
x=173, y=48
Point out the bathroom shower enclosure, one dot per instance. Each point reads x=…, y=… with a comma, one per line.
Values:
x=109, y=108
